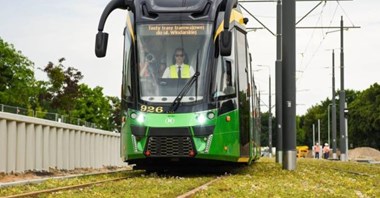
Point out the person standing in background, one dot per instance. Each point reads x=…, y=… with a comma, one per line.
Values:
x=317, y=150
x=326, y=151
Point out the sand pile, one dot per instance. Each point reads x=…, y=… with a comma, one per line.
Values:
x=364, y=153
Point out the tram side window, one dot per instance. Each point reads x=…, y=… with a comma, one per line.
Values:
x=228, y=87
x=224, y=82
x=127, y=82
x=242, y=63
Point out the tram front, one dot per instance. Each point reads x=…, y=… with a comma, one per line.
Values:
x=178, y=94
x=172, y=115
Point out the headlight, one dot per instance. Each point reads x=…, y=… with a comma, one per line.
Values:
x=140, y=118
x=201, y=119
x=210, y=115
x=133, y=115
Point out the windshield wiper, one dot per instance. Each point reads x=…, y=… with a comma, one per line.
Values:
x=197, y=70
x=183, y=92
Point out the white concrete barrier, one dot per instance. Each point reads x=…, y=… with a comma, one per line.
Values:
x=32, y=144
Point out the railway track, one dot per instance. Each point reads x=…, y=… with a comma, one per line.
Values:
x=62, y=189
x=199, y=188
x=47, y=191
x=344, y=171
x=352, y=172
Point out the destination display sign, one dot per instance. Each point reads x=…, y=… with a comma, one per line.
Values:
x=173, y=29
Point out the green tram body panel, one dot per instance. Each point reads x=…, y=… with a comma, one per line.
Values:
x=223, y=144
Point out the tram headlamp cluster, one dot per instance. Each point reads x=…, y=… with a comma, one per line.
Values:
x=138, y=117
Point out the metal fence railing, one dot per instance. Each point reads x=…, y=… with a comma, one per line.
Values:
x=46, y=115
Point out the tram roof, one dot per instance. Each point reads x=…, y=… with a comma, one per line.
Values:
x=174, y=10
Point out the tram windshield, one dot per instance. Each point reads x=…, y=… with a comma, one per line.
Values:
x=168, y=56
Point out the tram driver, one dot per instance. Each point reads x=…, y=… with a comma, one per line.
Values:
x=179, y=69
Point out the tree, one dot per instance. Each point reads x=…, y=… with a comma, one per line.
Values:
x=76, y=101
x=264, y=129
x=364, y=118
x=264, y=136
x=310, y=118
x=63, y=86
x=16, y=76
x=301, y=133
x=320, y=111
x=62, y=93
x=115, y=118
x=92, y=106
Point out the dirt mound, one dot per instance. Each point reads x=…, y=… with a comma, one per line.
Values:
x=364, y=153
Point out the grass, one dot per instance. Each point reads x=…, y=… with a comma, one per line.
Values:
x=265, y=178
x=312, y=178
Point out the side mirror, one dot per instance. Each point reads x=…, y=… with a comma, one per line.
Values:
x=225, y=43
x=101, y=44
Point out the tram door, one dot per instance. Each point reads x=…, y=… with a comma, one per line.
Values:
x=243, y=93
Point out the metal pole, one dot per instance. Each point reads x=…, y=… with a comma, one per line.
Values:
x=313, y=134
x=333, y=108
x=259, y=103
x=278, y=83
x=328, y=124
x=313, y=141
x=346, y=125
x=319, y=136
x=342, y=99
x=289, y=84
x=270, y=117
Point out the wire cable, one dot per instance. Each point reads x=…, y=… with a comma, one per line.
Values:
x=345, y=13
x=320, y=44
x=310, y=39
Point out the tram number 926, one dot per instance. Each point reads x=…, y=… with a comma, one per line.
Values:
x=151, y=109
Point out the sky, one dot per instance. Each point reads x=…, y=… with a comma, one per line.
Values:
x=46, y=30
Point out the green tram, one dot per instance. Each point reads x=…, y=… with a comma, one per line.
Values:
x=188, y=93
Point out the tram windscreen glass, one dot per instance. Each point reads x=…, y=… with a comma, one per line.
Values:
x=168, y=56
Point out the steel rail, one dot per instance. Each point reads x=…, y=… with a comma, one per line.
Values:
x=197, y=189
x=352, y=172
x=31, y=194
x=344, y=171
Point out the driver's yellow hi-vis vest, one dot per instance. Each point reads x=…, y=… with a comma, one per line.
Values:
x=185, y=71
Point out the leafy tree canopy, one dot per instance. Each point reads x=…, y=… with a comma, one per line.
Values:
x=62, y=93
x=16, y=76
x=364, y=118
x=91, y=105
x=63, y=86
